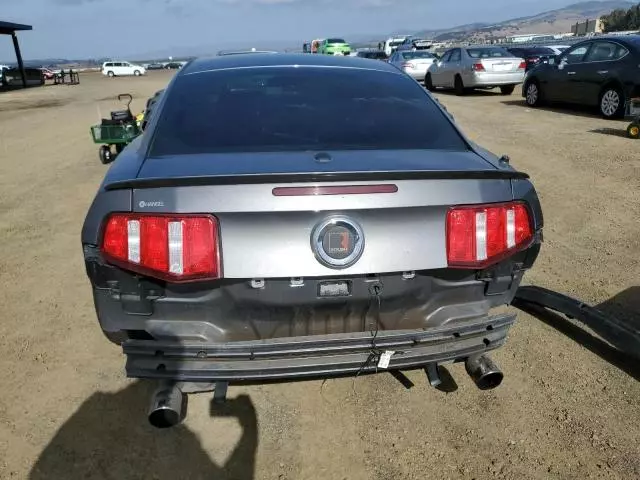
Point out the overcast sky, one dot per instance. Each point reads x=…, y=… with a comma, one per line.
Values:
x=126, y=28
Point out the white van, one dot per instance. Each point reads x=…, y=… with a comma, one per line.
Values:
x=116, y=69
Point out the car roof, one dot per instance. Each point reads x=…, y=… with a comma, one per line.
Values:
x=249, y=60
x=624, y=39
x=628, y=39
x=242, y=52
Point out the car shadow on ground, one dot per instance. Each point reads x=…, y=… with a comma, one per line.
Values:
x=575, y=110
x=615, y=132
x=475, y=93
x=109, y=437
x=625, y=307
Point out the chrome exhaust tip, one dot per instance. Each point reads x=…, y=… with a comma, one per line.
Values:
x=484, y=372
x=168, y=406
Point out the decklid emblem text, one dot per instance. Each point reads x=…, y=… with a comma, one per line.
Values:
x=337, y=242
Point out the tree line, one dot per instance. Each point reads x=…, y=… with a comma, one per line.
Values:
x=622, y=20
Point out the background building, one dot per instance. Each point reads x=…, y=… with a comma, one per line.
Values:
x=588, y=26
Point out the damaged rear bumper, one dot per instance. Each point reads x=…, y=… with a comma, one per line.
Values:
x=317, y=356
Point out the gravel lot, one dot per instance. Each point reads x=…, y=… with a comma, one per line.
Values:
x=568, y=408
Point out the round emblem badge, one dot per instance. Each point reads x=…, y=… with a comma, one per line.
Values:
x=337, y=242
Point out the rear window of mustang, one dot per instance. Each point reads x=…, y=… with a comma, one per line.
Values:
x=299, y=109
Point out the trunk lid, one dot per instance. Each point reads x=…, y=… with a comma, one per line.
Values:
x=265, y=235
x=421, y=63
x=501, y=65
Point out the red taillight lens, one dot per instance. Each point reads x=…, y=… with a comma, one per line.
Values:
x=480, y=235
x=523, y=65
x=408, y=65
x=171, y=247
x=478, y=67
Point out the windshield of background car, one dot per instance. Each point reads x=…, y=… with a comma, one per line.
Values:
x=395, y=43
x=539, y=51
x=299, y=109
x=336, y=40
x=488, y=53
x=414, y=55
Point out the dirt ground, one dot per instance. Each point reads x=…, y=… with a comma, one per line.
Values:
x=568, y=408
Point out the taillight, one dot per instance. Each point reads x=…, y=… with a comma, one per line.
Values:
x=478, y=67
x=408, y=65
x=480, y=235
x=175, y=248
x=523, y=65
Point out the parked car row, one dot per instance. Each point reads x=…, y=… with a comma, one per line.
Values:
x=602, y=72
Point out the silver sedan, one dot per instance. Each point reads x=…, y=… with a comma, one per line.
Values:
x=476, y=67
x=413, y=63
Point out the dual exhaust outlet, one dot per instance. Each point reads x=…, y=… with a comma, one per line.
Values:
x=169, y=403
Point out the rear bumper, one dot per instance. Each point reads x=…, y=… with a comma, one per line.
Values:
x=318, y=356
x=416, y=73
x=478, y=79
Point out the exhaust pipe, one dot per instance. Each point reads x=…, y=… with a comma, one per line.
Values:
x=485, y=374
x=168, y=406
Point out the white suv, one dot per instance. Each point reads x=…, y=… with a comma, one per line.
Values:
x=115, y=69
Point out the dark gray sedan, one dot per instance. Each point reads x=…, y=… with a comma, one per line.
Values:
x=300, y=216
x=602, y=72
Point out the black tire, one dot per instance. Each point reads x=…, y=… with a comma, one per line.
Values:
x=611, y=102
x=119, y=147
x=458, y=86
x=105, y=154
x=110, y=74
x=633, y=130
x=533, y=93
x=507, y=89
x=428, y=83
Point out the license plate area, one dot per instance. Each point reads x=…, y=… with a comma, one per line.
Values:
x=334, y=288
x=501, y=67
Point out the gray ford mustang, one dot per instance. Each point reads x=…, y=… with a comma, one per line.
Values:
x=296, y=216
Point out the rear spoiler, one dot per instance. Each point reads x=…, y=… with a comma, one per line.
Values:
x=307, y=177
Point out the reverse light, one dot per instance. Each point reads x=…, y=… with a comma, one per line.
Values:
x=478, y=67
x=175, y=248
x=480, y=235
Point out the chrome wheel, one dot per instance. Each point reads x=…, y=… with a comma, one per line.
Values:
x=532, y=94
x=610, y=103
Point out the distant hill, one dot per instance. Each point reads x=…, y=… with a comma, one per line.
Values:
x=553, y=21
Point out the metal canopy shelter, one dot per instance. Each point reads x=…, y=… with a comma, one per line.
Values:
x=8, y=28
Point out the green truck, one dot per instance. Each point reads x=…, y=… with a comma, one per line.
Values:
x=334, y=46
